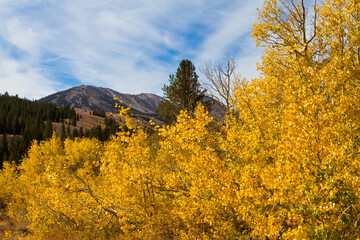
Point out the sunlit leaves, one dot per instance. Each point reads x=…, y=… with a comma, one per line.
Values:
x=284, y=165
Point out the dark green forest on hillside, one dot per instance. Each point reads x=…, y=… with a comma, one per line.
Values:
x=22, y=121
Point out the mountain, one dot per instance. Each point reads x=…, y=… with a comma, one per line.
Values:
x=98, y=98
x=92, y=98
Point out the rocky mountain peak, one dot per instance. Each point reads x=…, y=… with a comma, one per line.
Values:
x=98, y=98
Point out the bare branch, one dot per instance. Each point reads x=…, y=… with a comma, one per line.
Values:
x=220, y=80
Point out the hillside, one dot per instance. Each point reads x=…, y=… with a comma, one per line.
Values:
x=143, y=105
x=97, y=98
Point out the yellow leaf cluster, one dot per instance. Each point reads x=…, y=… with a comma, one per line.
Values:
x=284, y=165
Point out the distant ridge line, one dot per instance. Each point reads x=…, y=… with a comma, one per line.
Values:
x=92, y=98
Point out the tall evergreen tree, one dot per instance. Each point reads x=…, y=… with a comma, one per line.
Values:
x=81, y=132
x=63, y=132
x=4, y=149
x=68, y=131
x=48, y=130
x=73, y=119
x=183, y=93
x=15, y=151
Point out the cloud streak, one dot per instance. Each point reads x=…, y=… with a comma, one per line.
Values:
x=130, y=46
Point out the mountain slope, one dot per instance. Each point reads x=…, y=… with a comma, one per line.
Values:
x=97, y=98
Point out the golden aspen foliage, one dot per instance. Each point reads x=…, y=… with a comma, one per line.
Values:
x=60, y=186
x=302, y=119
x=284, y=165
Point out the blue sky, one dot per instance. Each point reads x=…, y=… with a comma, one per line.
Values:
x=129, y=46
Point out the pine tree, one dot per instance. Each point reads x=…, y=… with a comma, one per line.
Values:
x=183, y=93
x=4, y=149
x=73, y=120
x=63, y=132
x=15, y=151
x=81, y=132
x=48, y=130
x=68, y=131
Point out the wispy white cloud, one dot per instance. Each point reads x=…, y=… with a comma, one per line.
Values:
x=130, y=46
x=232, y=36
x=18, y=77
x=22, y=36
